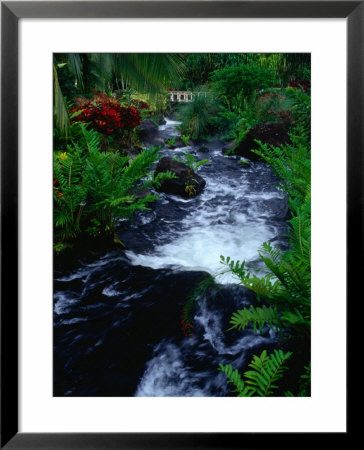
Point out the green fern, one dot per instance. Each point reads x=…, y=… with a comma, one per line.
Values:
x=190, y=161
x=266, y=370
x=170, y=142
x=94, y=189
x=185, y=139
x=258, y=317
x=286, y=283
x=198, y=292
x=234, y=378
x=263, y=287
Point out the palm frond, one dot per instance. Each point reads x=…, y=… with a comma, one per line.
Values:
x=75, y=67
x=60, y=107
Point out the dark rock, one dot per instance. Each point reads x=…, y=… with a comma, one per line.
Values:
x=132, y=152
x=157, y=142
x=185, y=177
x=269, y=133
x=139, y=194
x=227, y=148
x=147, y=131
x=203, y=149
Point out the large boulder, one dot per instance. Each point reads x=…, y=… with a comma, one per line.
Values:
x=148, y=131
x=269, y=133
x=187, y=182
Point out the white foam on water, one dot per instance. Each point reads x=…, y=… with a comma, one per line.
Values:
x=231, y=219
x=167, y=376
x=211, y=323
x=200, y=249
x=109, y=291
x=63, y=302
x=218, y=226
x=74, y=321
x=170, y=126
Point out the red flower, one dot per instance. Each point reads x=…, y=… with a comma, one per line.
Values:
x=106, y=114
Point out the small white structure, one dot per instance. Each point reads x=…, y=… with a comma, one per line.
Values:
x=180, y=96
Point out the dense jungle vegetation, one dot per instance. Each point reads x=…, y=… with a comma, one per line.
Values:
x=102, y=171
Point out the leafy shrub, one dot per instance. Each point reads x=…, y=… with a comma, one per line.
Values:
x=301, y=111
x=185, y=139
x=245, y=79
x=273, y=106
x=236, y=116
x=139, y=104
x=106, y=114
x=93, y=189
x=170, y=142
x=297, y=83
x=196, y=116
x=266, y=370
x=191, y=162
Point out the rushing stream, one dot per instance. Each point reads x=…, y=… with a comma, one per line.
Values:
x=117, y=316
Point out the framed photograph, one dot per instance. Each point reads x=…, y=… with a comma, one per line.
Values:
x=157, y=185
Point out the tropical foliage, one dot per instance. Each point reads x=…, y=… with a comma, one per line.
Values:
x=260, y=381
x=243, y=79
x=196, y=115
x=285, y=287
x=190, y=161
x=84, y=73
x=287, y=67
x=93, y=190
x=101, y=99
x=106, y=114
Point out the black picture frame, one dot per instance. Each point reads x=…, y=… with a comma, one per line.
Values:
x=11, y=12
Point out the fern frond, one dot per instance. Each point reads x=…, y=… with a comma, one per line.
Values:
x=235, y=379
x=266, y=371
x=258, y=317
x=157, y=179
x=92, y=139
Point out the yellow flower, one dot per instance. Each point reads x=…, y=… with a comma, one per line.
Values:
x=63, y=155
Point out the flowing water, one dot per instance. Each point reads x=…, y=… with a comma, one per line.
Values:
x=117, y=315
